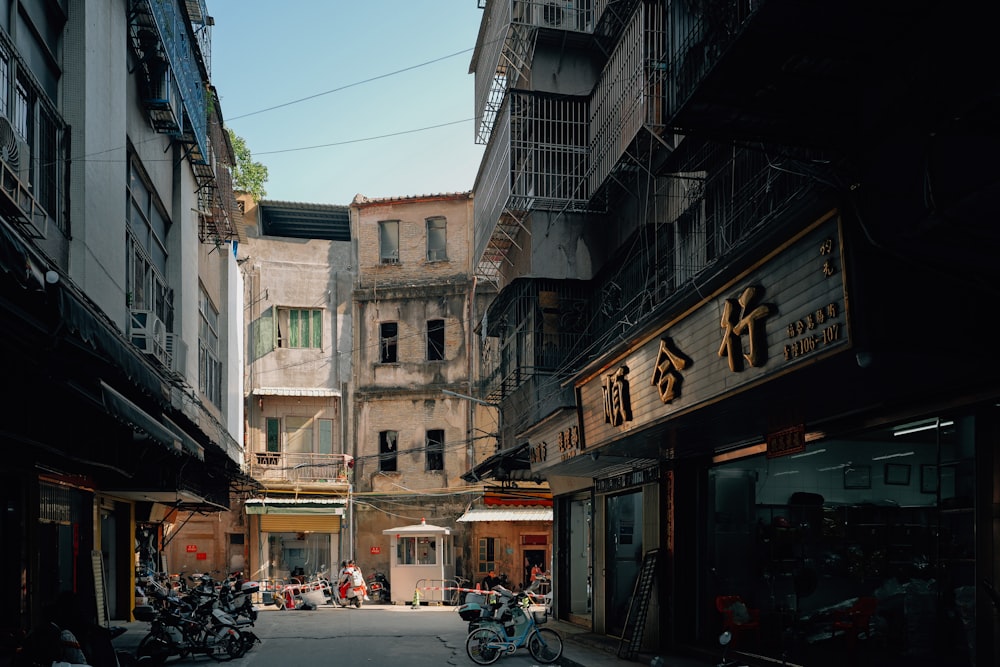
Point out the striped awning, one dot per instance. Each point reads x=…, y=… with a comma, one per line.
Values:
x=509, y=514
x=322, y=392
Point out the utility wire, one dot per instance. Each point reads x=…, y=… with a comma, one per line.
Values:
x=350, y=85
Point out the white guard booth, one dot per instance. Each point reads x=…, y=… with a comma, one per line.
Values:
x=422, y=560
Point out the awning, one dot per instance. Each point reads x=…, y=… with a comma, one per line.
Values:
x=189, y=443
x=502, y=465
x=517, y=497
x=322, y=392
x=525, y=514
x=291, y=506
x=131, y=414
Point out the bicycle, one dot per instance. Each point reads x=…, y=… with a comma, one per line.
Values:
x=513, y=628
x=456, y=597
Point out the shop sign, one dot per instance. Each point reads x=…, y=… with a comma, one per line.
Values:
x=191, y=548
x=201, y=556
x=789, y=441
x=375, y=551
x=789, y=309
x=558, y=441
x=627, y=480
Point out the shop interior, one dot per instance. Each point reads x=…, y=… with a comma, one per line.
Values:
x=852, y=546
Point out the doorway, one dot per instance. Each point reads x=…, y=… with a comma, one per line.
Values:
x=532, y=557
x=623, y=558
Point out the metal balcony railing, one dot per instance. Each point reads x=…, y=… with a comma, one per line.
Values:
x=537, y=159
x=300, y=467
x=534, y=326
x=628, y=98
x=700, y=34
x=503, y=55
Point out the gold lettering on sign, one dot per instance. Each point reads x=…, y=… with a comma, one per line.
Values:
x=569, y=442
x=826, y=249
x=741, y=316
x=812, y=331
x=538, y=453
x=617, y=402
x=666, y=377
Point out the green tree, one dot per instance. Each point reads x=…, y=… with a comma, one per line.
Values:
x=248, y=176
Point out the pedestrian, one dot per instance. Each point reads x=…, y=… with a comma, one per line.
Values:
x=536, y=571
x=491, y=580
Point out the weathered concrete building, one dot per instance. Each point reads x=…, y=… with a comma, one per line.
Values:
x=298, y=264
x=414, y=316
x=120, y=296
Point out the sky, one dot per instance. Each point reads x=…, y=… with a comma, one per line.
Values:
x=340, y=97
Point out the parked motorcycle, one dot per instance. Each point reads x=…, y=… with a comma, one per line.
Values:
x=195, y=623
x=236, y=598
x=378, y=587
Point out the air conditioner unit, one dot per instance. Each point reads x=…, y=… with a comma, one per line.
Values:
x=559, y=15
x=148, y=333
x=176, y=352
x=14, y=152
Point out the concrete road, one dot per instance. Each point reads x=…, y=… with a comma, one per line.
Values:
x=374, y=636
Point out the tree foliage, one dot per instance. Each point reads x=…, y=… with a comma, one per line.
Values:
x=248, y=176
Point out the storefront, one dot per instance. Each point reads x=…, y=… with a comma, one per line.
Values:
x=856, y=546
x=295, y=537
x=817, y=472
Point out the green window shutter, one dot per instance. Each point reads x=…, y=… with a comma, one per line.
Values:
x=317, y=329
x=325, y=436
x=263, y=334
x=273, y=435
x=294, y=329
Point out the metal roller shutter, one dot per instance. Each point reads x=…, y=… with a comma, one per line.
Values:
x=296, y=523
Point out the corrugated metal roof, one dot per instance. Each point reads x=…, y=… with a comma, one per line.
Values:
x=296, y=391
x=533, y=514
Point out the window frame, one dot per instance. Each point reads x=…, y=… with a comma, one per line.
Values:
x=435, y=340
x=388, y=343
x=288, y=328
x=209, y=363
x=434, y=450
x=437, y=238
x=388, y=451
x=388, y=242
x=487, y=554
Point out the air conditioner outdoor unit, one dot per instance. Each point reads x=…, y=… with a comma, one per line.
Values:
x=176, y=352
x=148, y=333
x=558, y=14
x=14, y=152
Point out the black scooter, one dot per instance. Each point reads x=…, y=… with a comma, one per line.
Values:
x=378, y=587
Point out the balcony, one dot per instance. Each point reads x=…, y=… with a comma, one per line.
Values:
x=537, y=159
x=173, y=70
x=626, y=111
x=509, y=31
x=298, y=469
x=814, y=73
x=534, y=326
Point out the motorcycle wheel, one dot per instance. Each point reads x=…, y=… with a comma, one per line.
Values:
x=154, y=648
x=357, y=603
x=483, y=646
x=229, y=644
